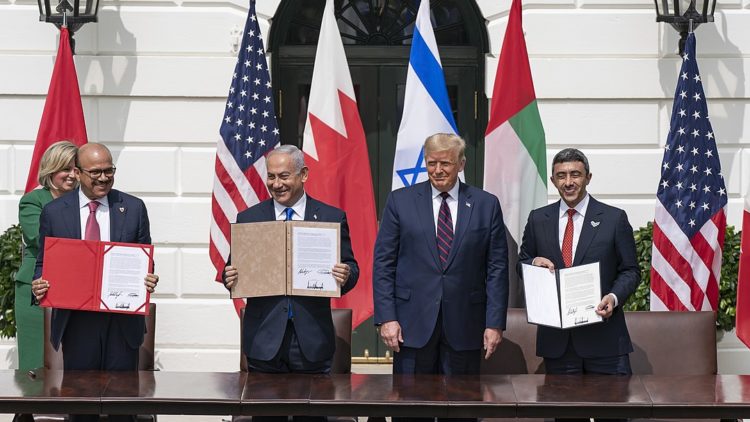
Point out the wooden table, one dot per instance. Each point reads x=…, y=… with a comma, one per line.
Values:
x=696, y=396
x=48, y=391
x=523, y=396
x=580, y=396
x=161, y=392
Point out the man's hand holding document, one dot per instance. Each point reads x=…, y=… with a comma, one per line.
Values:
x=91, y=275
x=564, y=298
x=280, y=258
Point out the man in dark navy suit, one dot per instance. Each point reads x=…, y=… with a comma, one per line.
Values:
x=284, y=334
x=579, y=230
x=440, y=272
x=95, y=211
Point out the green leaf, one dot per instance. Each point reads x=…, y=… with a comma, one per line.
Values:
x=10, y=262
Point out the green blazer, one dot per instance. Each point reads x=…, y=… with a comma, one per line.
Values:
x=29, y=210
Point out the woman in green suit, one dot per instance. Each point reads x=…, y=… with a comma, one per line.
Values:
x=57, y=175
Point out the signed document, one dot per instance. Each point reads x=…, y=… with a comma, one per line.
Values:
x=123, y=271
x=90, y=275
x=278, y=258
x=315, y=250
x=564, y=298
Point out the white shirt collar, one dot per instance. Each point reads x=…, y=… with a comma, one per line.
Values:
x=453, y=192
x=84, y=200
x=298, y=207
x=580, y=208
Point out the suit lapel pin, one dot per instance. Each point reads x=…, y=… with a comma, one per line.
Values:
x=122, y=209
x=594, y=223
x=315, y=216
x=468, y=204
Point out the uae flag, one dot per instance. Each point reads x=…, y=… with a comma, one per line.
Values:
x=515, y=164
x=336, y=152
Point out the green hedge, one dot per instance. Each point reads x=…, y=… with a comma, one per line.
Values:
x=10, y=261
x=639, y=301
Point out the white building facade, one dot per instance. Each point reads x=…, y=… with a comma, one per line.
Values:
x=154, y=78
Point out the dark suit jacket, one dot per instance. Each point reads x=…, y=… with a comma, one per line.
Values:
x=266, y=317
x=610, y=242
x=409, y=284
x=128, y=222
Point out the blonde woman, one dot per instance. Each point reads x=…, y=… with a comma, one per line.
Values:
x=57, y=176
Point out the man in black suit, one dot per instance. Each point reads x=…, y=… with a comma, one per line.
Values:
x=579, y=230
x=95, y=211
x=284, y=334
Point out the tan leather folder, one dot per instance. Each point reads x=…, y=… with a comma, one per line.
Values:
x=263, y=255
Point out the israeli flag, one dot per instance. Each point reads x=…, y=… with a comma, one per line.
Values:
x=427, y=109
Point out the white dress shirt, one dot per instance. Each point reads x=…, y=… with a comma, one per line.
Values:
x=578, y=218
x=452, y=201
x=102, y=215
x=298, y=207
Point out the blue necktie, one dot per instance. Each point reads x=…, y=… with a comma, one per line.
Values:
x=290, y=312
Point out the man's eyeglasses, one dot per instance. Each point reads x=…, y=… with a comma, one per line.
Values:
x=97, y=173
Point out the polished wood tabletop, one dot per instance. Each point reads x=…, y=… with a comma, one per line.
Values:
x=489, y=395
x=161, y=392
x=239, y=393
x=46, y=391
x=581, y=396
x=265, y=394
x=696, y=396
x=381, y=395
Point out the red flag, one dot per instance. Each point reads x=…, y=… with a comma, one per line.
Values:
x=62, y=118
x=743, y=280
x=336, y=153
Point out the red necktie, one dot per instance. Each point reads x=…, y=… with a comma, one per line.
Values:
x=444, y=230
x=92, y=226
x=567, y=246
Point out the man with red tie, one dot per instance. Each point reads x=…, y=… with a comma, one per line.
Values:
x=95, y=211
x=578, y=230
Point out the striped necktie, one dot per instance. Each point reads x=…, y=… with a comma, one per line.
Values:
x=444, y=230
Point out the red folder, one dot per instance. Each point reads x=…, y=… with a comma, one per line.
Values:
x=73, y=268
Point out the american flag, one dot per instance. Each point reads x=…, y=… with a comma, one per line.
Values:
x=248, y=131
x=691, y=209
